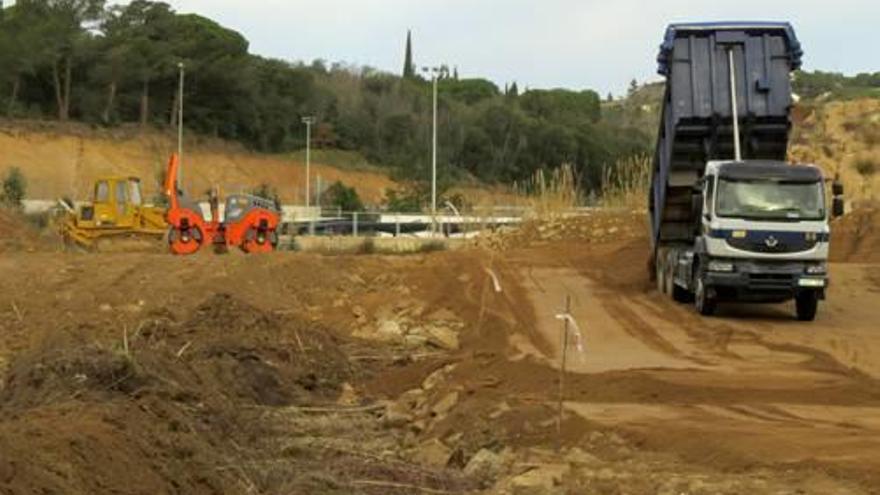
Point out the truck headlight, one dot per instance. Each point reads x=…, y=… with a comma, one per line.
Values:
x=721, y=266
x=817, y=269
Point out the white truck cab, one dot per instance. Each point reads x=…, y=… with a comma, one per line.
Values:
x=763, y=236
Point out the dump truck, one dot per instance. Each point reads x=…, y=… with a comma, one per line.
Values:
x=730, y=220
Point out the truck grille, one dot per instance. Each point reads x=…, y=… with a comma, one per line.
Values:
x=770, y=244
x=771, y=281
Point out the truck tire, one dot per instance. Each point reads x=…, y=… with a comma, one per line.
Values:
x=660, y=275
x=681, y=295
x=704, y=304
x=807, y=304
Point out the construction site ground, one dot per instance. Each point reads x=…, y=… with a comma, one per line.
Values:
x=143, y=373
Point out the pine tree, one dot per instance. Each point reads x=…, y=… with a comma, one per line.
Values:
x=514, y=90
x=409, y=70
x=455, y=73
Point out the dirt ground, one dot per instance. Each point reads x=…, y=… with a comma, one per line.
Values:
x=431, y=373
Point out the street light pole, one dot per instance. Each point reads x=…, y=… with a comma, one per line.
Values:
x=434, y=160
x=435, y=77
x=181, y=67
x=308, y=121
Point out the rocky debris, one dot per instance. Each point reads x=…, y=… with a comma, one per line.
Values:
x=402, y=323
x=437, y=377
x=485, y=465
x=444, y=338
x=396, y=415
x=541, y=480
x=360, y=315
x=390, y=330
x=589, y=228
x=444, y=405
x=578, y=457
x=415, y=341
x=348, y=397
x=414, y=399
x=432, y=453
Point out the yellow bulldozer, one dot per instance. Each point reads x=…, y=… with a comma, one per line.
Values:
x=117, y=211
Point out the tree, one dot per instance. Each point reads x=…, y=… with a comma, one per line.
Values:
x=137, y=39
x=343, y=197
x=59, y=24
x=469, y=91
x=14, y=188
x=633, y=87
x=409, y=68
x=129, y=61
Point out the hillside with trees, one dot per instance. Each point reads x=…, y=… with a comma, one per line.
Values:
x=111, y=65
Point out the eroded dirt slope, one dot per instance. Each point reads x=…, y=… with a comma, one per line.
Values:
x=59, y=162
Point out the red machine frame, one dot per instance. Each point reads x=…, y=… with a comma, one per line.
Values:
x=250, y=222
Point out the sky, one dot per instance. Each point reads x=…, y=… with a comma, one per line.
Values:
x=577, y=44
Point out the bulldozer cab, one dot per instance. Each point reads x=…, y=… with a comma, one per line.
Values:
x=116, y=202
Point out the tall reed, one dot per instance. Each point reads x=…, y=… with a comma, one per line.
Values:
x=625, y=184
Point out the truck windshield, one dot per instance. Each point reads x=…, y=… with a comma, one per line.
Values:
x=770, y=200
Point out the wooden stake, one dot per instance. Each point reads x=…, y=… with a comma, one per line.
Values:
x=562, y=373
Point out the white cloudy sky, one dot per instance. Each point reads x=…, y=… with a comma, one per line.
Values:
x=599, y=44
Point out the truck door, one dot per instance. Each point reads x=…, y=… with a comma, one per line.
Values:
x=708, y=204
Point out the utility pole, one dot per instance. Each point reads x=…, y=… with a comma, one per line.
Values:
x=180, y=126
x=308, y=121
x=435, y=76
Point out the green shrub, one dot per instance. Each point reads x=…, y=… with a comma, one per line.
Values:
x=866, y=168
x=340, y=196
x=14, y=188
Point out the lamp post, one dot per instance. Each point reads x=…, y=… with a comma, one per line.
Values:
x=435, y=76
x=182, y=69
x=308, y=121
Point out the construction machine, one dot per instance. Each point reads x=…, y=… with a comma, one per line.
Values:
x=730, y=219
x=117, y=210
x=250, y=223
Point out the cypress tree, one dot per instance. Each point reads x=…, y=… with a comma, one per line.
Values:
x=409, y=70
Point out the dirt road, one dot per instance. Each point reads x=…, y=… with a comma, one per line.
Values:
x=750, y=387
x=378, y=374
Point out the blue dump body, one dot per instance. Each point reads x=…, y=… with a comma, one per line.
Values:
x=697, y=123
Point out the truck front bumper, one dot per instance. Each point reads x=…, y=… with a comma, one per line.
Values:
x=765, y=281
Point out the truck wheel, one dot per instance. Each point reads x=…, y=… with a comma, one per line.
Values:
x=705, y=305
x=680, y=295
x=661, y=277
x=669, y=279
x=807, y=304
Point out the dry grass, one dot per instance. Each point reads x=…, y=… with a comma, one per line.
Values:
x=626, y=183
x=549, y=194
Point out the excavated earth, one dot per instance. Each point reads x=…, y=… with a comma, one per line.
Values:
x=432, y=373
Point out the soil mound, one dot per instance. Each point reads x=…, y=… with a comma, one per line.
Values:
x=171, y=411
x=855, y=238
x=15, y=233
x=590, y=228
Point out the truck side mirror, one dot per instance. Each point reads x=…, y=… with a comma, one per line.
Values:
x=837, y=188
x=838, y=209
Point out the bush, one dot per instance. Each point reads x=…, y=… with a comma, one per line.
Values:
x=340, y=196
x=14, y=188
x=866, y=168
